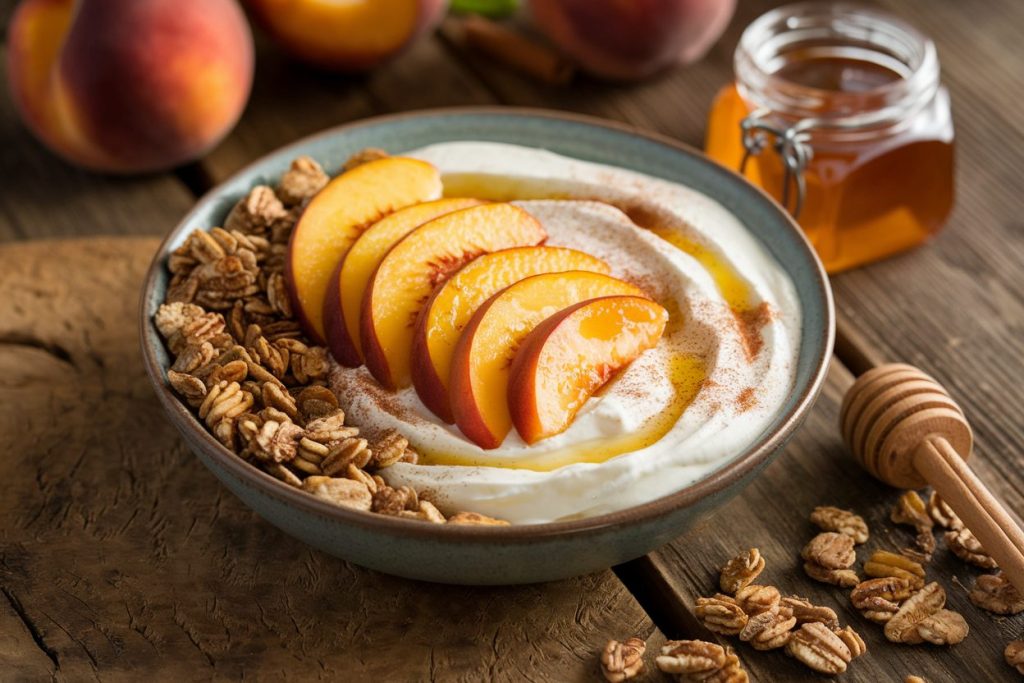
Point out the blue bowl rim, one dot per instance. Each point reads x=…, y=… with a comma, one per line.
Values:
x=733, y=472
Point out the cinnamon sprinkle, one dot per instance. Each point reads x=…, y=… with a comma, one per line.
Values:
x=747, y=399
x=749, y=324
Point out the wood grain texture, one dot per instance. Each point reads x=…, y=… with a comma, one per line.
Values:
x=121, y=558
x=772, y=515
x=43, y=196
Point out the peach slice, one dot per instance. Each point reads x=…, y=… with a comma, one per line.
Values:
x=574, y=353
x=348, y=284
x=478, y=384
x=337, y=215
x=444, y=316
x=423, y=259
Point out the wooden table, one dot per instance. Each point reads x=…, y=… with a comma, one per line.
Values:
x=121, y=559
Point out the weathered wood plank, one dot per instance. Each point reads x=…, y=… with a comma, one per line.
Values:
x=121, y=558
x=43, y=196
x=771, y=514
x=290, y=101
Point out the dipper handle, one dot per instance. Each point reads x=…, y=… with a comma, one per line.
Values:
x=905, y=429
x=943, y=468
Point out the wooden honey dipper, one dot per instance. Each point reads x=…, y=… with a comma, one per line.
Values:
x=904, y=428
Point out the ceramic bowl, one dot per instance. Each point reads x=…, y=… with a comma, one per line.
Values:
x=526, y=553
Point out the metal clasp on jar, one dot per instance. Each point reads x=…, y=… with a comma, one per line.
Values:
x=792, y=146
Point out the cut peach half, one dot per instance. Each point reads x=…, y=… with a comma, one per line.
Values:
x=337, y=215
x=348, y=284
x=419, y=262
x=574, y=353
x=446, y=313
x=478, y=384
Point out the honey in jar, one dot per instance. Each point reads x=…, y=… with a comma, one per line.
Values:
x=837, y=111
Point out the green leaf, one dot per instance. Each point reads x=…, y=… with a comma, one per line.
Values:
x=488, y=8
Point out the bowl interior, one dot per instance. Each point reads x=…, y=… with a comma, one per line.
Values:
x=574, y=136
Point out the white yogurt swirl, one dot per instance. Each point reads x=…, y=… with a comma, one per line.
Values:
x=748, y=360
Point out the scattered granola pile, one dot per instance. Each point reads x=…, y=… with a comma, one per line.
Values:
x=761, y=616
x=242, y=362
x=894, y=594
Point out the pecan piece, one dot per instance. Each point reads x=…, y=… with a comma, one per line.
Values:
x=732, y=672
x=844, y=578
x=277, y=441
x=391, y=501
x=805, y=612
x=945, y=627
x=388, y=450
x=891, y=589
x=690, y=657
x=721, y=614
x=994, y=593
x=830, y=550
x=883, y=563
x=256, y=213
x=828, y=518
x=364, y=156
x=303, y=179
x=755, y=599
x=902, y=627
x=819, y=649
x=942, y=514
x=741, y=571
x=343, y=492
x=911, y=511
x=964, y=545
x=622, y=661
x=852, y=640
x=1014, y=655
x=767, y=630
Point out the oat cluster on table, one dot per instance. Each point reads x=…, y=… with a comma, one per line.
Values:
x=894, y=593
x=761, y=616
x=242, y=362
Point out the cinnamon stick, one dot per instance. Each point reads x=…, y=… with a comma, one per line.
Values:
x=516, y=51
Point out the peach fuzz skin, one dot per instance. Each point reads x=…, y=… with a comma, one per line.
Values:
x=129, y=86
x=632, y=39
x=347, y=36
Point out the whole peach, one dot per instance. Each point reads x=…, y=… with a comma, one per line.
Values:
x=349, y=36
x=631, y=39
x=130, y=85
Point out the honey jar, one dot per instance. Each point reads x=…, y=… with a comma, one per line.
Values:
x=838, y=112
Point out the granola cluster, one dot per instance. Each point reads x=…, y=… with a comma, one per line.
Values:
x=242, y=362
x=893, y=593
x=686, y=660
x=761, y=616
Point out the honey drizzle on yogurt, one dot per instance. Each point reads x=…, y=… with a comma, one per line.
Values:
x=687, y=374
x=733, y=288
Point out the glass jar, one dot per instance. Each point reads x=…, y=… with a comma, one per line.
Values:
x=837, y=111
